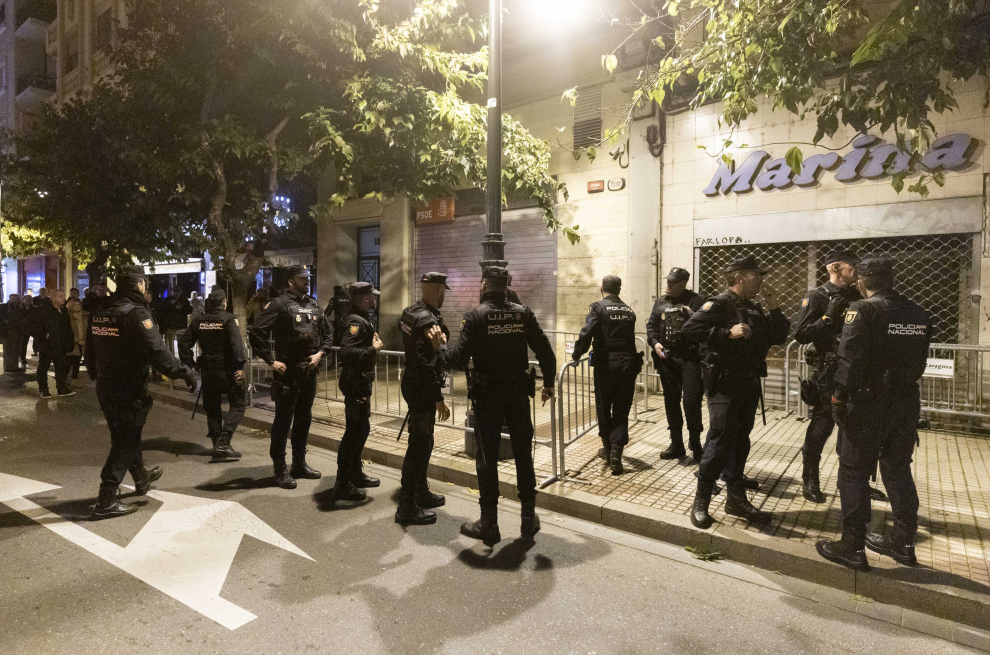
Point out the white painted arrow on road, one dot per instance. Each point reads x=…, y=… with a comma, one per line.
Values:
x=185, y=550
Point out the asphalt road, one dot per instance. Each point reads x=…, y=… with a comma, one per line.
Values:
x=371, y=586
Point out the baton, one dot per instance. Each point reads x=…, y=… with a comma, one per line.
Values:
x=402, y=429
x=198, y=396
x=763, y=405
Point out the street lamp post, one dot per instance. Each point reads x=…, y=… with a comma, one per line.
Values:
x=493, y=245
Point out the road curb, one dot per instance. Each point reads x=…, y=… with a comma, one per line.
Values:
x=924, y=594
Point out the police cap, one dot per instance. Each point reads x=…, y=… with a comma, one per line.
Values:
x=128, y=276
x=875, y=266
x=435, y=278
x=847, y=256
x=362, y=289
x=747, y=263
x=496, y=273
x=296, y=271
x=678, y=275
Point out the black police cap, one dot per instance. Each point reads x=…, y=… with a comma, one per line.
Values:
x=128, y=276
x=296, y=271
x=747, y=263
x=434, y=278
x=678, y=275
x=363, y=288
x=847, y=256
x=875, y=265
x=495, y=273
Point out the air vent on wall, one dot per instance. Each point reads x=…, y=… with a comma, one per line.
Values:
x=588, y=117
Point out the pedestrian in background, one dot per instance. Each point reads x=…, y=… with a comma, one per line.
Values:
x=77, y=319
x=15, y=327
x=54, y=339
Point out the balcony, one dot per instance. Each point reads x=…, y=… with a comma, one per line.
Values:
x=33, y=91
x=32, y=29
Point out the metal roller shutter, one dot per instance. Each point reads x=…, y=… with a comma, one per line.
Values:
x=455, y=249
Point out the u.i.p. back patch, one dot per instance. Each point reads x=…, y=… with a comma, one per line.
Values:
x=851, y=315
x=147, y=323
x=804, y=303
x=707, y=306
x=354, y=329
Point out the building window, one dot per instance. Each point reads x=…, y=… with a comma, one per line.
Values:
x=71, y=53
x=103, y=35
x=369, y=254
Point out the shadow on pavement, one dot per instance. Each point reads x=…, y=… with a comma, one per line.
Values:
x=506, y=558
x=184, y=448
x=324, y=498
x=256, y=477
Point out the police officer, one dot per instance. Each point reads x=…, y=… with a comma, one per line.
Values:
x=678, y=362
x=611, y=326
x=337, y=309
x=496, y=335
x=882, y=355
x=359, y=346
x=422, y=384
x=123, y=340
x=302, y=339
x=735, y=334
x=820, y=323
x=222, y=369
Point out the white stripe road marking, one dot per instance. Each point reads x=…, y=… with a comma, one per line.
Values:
x=185, y=550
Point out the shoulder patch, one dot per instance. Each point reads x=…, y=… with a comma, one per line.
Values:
x=804, y=303
x=147, y=323
x=851, y=315
x=354, y=329
x=707, y=306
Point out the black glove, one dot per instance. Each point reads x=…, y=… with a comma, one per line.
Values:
x=190, y=380
x=836, y=307
x=840, y=411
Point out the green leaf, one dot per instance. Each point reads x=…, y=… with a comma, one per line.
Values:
x=609, y=63
x=794, y=159
x=704, y=554
x=592, y=152
x=897, y=181
x=787, y=19
x=570, y=95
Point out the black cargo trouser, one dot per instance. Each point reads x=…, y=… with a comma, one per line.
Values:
x=422, y=421
x=731, y=415
x=884, y=431
x=615, y=388
x=357, y=427
x=215, y=386
x=61, y=362
x=293, y=408
x=821, y=425
x=126, y=417
x=495, y=405
x=681, y=379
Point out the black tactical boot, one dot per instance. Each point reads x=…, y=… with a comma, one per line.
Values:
x=615, y=461
x=694, y=443
x=485, y=529
x=811, y=488
x=143, y=478
x=213, y=439
x=108, y=504
x=409, y=513
x=301, y=470
x=750, y=483
x=282, y=477
x=222, y=452
x=345, y=490
x=426, y=498
x=848, y=552
x=737, y=504
x=606, y=450
x=700, y=518
x=676, y=448
x=897, y=543
x=530, y=522
x=361, y=479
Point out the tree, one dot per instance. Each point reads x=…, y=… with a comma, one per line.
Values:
x=867, y=65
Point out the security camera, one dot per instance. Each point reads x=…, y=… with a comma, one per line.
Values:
x=617, y=152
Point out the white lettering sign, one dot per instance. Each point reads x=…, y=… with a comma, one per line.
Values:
x=185, y=550
x=569, y=347
x=940, y=368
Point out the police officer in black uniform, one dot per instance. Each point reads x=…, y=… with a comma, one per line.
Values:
x=882, y=355
x=496, y=335
x=735, y=334
x=611, y=328
x=123, y=341
x=820, y=323
x=359, y=346
x=302, y=339
x=222, y=369
x=678, y=362
x=422, y=384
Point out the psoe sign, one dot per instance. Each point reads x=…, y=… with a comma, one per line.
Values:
x=871, y=158
x=940, y=368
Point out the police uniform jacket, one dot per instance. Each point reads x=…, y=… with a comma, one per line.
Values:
x=123, y=341
x=423, y=377
x=884, y=346
x=665, y=327
x=496, y=335
x=611, y=328
x=219, y=337
x=357, y=355
x=812, y=324
x=297, y=326
x=711, y=324
x=338, y=308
